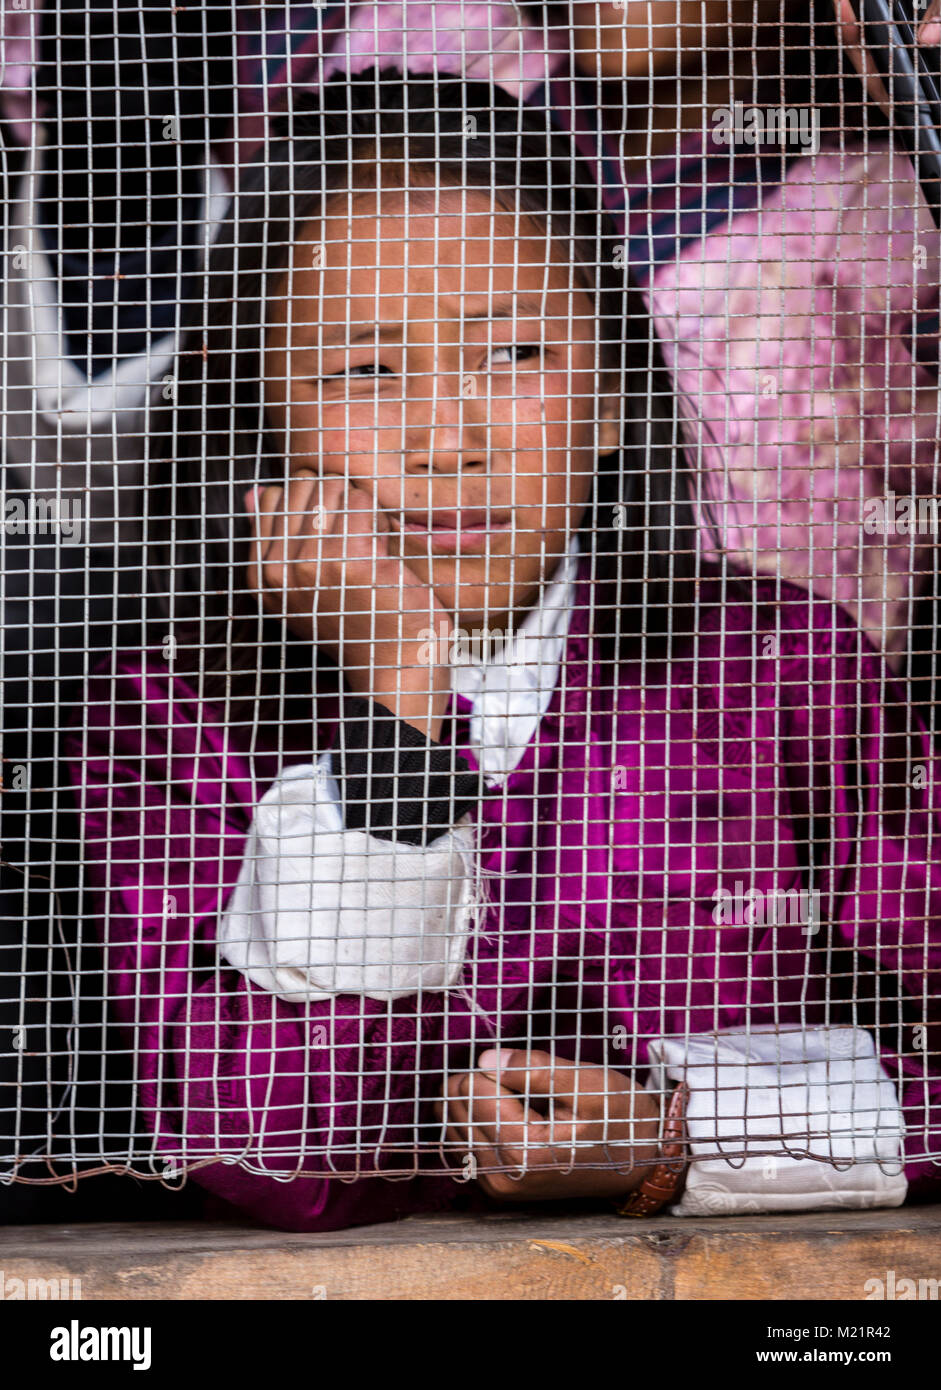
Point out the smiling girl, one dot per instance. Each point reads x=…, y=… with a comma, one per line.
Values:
x=376, y=906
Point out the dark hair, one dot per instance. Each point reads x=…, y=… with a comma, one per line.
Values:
x=209, y=446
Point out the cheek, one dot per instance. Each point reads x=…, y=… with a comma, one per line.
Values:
x=335, y=440
x=546, y=409
x=570, y=406
x=545, y=497
x=581, y=400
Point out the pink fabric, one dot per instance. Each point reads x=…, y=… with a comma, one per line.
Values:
x=19, y=36
x=789, y=335
x=490, y=42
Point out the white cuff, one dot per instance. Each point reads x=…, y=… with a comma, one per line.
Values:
x=319, y=910
x=777, y=1101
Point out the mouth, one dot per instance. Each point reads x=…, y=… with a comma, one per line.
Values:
x=450, y=532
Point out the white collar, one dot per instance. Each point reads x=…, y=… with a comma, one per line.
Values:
x=511, y=690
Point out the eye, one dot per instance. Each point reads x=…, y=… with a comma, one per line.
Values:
x=366, y=367
x=515, y=348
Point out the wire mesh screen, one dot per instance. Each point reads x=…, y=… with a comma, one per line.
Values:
x=469, y=596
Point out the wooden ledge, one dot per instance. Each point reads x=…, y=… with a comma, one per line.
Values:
x=507, y=1255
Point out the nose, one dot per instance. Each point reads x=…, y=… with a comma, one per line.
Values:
x=446, y=426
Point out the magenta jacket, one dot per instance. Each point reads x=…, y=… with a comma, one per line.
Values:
x=629, y=807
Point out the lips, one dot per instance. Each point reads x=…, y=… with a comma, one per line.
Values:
x=452, y=532
x=467, y=519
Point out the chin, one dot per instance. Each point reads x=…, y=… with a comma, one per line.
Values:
x=478, y=592
x=474, y=606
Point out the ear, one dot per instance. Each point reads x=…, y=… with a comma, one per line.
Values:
x=610, y=422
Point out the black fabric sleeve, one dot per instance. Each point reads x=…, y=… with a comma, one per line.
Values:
x=396, y=783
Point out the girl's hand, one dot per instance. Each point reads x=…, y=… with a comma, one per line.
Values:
x=321, y=561
x=613, y=1120
x=928, y=33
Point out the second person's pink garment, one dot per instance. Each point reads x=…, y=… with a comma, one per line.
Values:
x=792, y=335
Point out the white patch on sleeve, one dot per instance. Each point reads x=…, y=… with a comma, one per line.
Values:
x=803, y=1100
x=319, y=910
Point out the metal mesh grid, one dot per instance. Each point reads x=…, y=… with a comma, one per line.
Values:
x=650, y=293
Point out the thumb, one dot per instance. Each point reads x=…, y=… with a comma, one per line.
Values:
x=930, y=30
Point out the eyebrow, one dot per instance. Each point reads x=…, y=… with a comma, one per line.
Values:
x=523, y=306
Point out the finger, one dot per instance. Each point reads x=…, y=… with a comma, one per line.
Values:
x=280, y=517
x=265, y=501
x=302, y=519
x=460, y=1130
x=509, y=1142
x=852, y=37
x=542, y=1075
x=488, y=1102
x=302, y=504
x=363, y=515
x=495, y=1113
x=281, y=514
x=341, y=530
x=468, y=1139
x=344, y=511
x=268, y=506
x=452, y=1115
x=378, y=515
x=542, y=1155
x=317, y=528
x=366, y=525
x=929, y=32
x=250, y=502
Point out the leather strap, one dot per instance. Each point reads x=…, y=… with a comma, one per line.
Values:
x=666, y=1180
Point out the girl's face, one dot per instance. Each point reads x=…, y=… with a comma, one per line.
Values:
x=439, y=359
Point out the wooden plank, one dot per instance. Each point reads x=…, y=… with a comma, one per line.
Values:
x=510, y=1255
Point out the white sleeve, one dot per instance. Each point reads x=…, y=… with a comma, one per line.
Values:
x=320, y=910
x=785, y=1105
